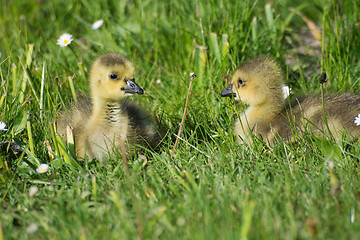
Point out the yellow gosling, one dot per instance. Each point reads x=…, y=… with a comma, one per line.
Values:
x=258, y=83
x=107, y=122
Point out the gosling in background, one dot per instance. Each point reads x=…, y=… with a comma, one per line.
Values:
x=258, y=82
x=107, y=121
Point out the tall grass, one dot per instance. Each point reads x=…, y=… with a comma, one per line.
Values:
x=213, y=188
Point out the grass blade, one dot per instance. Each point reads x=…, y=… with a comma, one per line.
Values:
x=25, y=75
x=214, y=46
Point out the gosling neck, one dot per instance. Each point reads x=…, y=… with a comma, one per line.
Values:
x=266, y=110
x=105, y=110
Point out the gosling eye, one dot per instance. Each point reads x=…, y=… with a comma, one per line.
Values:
x=113, y=76
x=241, y=83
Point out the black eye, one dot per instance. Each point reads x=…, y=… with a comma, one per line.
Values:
x=113, y=76
x=241, y=83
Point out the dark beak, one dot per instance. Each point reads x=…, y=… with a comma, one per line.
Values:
x=228, y=92
x=132, y=87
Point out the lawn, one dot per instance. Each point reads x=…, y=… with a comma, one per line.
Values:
x=212, y=187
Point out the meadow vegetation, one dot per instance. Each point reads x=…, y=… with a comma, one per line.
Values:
x=212, y=187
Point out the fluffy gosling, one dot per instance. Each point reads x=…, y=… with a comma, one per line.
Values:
x=258, y=83
x=107, y=121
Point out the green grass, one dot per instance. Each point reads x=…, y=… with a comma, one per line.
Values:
x=212, y=188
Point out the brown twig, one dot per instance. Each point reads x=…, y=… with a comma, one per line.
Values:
x=192, y=77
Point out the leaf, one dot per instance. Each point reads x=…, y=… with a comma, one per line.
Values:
x=328, y=148
x=20, y=122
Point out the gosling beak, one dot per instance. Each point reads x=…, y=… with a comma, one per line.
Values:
x=132, y=87
x=227, y=92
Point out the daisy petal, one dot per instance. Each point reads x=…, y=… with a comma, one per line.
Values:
x=97, y=24
x=2, y=126
x=286, y=91
x=357, y=120
x=42, y=168
x=64, y=40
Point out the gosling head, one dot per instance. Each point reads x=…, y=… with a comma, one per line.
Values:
x=256, y=82
x=112, y=78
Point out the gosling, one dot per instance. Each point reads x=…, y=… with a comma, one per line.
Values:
x=108, y=122
x=258, y=83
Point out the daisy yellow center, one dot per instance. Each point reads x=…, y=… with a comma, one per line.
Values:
x=65, y=41
x=42, y=170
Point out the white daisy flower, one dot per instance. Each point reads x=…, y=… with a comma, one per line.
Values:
x=357, y=120
x=33, y=190
x=352, y=215
x=2, y=126
x=97, y=24
x=64, y=40
x=286, y=91
x=42, y=168
x=32, y=228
